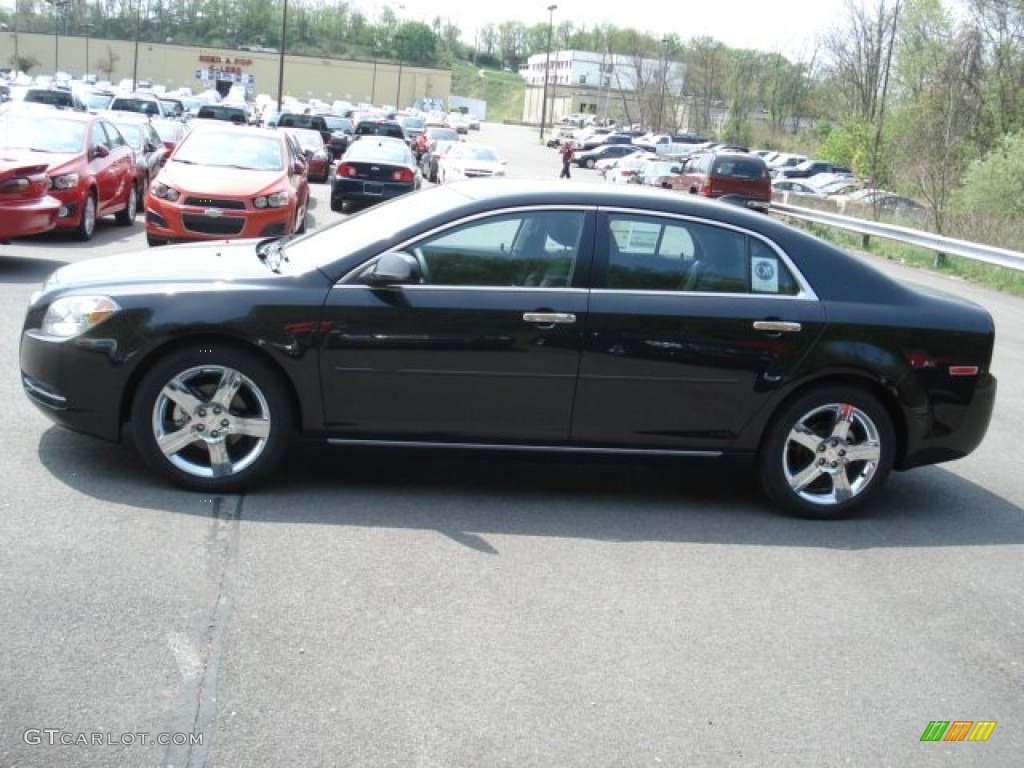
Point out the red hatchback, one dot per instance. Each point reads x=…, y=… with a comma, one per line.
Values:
x=25, y=207
x=91, y=168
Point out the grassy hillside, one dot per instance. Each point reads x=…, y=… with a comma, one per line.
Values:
x=503, y=91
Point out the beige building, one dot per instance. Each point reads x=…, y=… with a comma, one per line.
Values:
x=176, y=66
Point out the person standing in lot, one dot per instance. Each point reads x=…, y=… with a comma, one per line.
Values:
x=566, y=153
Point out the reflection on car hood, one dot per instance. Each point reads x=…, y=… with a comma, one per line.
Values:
x=192, y=263
x=218, y=181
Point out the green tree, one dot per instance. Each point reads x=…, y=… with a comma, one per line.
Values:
x=995, y=184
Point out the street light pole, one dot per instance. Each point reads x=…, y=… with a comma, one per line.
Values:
x=664, y=78
x=547, y=68
x=58, y=6
x=135, y=62
x=88, y=27
x=398, y=95
x=280, y=64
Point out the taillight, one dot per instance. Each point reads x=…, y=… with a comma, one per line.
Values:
x=346, y=170
x=402, y=174
x=705, y=189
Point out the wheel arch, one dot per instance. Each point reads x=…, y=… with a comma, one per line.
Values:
x=885, y=396
x=205, y=337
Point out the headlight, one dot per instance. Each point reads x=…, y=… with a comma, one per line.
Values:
x=65, y=181
x=276, y=200
x=164, y=192
x=73, y=315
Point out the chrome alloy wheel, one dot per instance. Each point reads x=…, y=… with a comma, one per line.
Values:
x=211, y=421
x=831, y=454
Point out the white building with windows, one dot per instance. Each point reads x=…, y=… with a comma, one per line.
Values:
x=599, y=84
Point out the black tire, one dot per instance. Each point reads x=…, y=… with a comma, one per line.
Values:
x=142, y=195
x=337, y=204
x=126, y=216
x=827, y=453
x=248, y=425
x=87, y=226
x=153, y=242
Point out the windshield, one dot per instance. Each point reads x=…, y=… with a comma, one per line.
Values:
x=132, y=134
x=98, y=100
x=237, y=149
x=41, y=134
x=378, y=226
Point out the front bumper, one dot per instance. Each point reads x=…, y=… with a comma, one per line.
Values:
x=75, y=382
x=175, y=222
x=31, y=217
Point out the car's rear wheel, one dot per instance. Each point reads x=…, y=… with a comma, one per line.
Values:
x=87, y=226
x=827, y=453
x=126, y=216
x=213, y=419
x=337, y=204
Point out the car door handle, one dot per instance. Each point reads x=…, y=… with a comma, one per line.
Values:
x=548, y=318
x=777, y=326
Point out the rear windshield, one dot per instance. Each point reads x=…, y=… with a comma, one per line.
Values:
x=53, y=98
x=142, y=106
x=740, y=168
x=300, y=121
x=232, y=114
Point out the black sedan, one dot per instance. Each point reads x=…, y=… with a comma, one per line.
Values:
x=588, y=158
x=519, y=315
x=374, y=168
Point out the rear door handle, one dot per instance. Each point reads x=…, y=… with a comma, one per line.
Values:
x=549, y=318
x=777, y=326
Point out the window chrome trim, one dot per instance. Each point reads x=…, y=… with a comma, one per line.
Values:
x=806, y=292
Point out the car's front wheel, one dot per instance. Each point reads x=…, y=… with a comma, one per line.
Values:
x=126, y=216
x=213, y=419
x=827, y=453
x=87, y=224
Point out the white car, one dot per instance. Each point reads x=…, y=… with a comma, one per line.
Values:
x=470, y=161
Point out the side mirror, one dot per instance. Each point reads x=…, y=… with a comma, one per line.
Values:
x=394, y=268
x=299, y=167
x=101, y=150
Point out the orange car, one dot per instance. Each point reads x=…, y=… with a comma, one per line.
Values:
x=228, y=182
x=91, y=168
x=25, y=208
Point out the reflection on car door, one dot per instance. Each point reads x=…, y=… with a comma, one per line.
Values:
x=692, y=326
x=485, y=347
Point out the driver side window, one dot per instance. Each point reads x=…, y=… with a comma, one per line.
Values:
x=530, y=249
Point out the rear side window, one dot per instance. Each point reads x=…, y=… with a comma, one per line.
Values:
x=647, y=253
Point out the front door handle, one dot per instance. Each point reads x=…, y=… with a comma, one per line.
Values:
x=549, y=318
x=777, y=326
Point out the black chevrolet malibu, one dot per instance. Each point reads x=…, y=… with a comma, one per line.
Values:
x=513, y=314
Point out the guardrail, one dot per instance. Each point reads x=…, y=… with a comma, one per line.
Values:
x=940, y=245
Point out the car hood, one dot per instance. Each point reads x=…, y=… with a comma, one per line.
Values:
x=52, y=160
x=216, y=182
x=14, y=164
x=193, y=263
